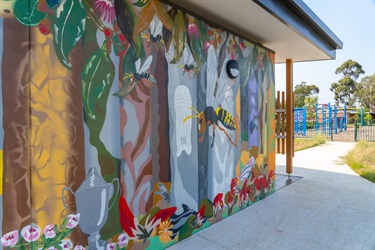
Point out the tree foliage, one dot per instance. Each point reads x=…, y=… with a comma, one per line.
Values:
x=366, y=92
x=310, y=104
x=301, y=91
x=345, y=88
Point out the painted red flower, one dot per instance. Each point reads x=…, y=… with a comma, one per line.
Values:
x=132, y=226
x=218, y=203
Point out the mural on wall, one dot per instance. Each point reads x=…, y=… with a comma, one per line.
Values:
x=127, y=124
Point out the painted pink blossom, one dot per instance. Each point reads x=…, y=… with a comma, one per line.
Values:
x=242, y=46
x=206, y=46
x=73, y=220
x=106, y=10
x=66, y=244
x=31, y=232
x=10, y=239
x=111, y=246
x=79, y=247
x=123, y=239
x=193, y=30
x=49, y=232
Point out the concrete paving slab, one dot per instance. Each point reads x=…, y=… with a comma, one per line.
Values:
x=196, y=242
x=331, y=207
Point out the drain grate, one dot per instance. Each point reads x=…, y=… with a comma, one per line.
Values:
x=283, y=180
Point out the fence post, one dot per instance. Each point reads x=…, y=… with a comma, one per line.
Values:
x=355, y=131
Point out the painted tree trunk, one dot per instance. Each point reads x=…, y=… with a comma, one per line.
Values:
x=16, y=123
x=47, y=129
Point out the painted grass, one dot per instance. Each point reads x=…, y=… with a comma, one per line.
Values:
x=304, y=143
x=362, y=160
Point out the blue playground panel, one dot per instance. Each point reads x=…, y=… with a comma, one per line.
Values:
x=328, y=118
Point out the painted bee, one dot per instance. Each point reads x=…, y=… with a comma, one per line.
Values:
x=188, y=66
x=141, y=75
x=215, y=94
x=154, y=35
x=210, y=117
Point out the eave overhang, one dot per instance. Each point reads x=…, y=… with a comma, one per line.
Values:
x=288, y=27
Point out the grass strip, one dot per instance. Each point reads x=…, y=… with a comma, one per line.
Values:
x=362, y=159
x=304, y=143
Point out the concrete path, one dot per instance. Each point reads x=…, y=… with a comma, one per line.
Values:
x=331, y=207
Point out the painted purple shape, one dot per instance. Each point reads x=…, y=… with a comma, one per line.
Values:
x=252, y=125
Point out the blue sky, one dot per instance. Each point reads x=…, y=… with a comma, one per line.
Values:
x=353, y=21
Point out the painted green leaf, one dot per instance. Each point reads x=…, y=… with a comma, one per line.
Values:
x=202, y=26
x=141, y=3
x=208, y=208
x=68, y=27
x=117, y=45
x=167, y=34
x=179, y=36
x=127, y=18
x=97, y=78
x=128, y=67
x=149, y=215
x=26, y=12
x=196, y=48
x=186, y=230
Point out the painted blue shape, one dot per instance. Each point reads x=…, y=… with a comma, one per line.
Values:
x=53, y=3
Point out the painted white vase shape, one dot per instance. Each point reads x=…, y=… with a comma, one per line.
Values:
x=92, y=199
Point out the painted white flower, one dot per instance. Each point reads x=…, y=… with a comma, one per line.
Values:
x=66, y=244
x=79, y=247
x=49, y=231
x=123, y=239
x=31, y=232
x=10, y=239
x=111, y=246
x=73, y=220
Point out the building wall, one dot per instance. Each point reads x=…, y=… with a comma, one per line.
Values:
x=137, y=94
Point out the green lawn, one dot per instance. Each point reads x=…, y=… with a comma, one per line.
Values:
x=304, y=143
x=362, y=159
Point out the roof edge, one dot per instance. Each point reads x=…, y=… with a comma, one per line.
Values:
x=217, y=25
x=317, y=24
x=299, y=17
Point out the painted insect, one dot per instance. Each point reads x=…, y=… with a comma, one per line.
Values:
x=164, y=193
x=154, y=35
x=215, y=95
x=141, y=75
x=188, y=66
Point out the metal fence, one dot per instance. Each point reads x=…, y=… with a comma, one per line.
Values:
x=365, y=133
x=313, y=129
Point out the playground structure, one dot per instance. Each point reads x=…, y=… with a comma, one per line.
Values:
x=328, y=115
x=328, y=119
